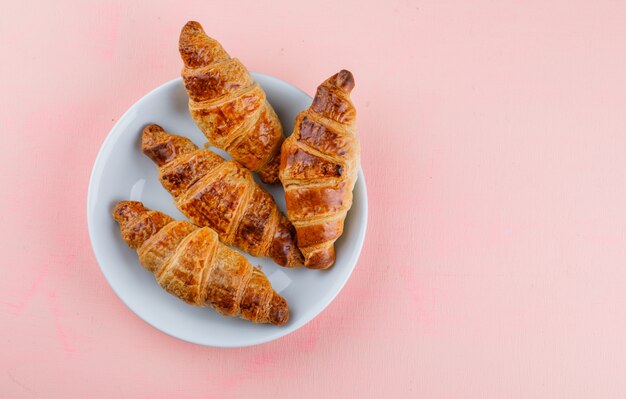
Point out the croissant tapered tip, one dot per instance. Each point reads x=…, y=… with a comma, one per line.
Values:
x=197, y=49
x=320, y=259
x=188, y=39
x=163, y=147
x=150, y=135
x=152, y=130
x=125, y=211
x=153, y=127
x=189, y=43
x=344, y=80
x=191, y=28
x=279, y=311
x=284, y=249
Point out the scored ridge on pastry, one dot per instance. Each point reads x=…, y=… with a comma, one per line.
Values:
x=221, y=195
x=192, y=264
x=318, y=169
x=227, y=104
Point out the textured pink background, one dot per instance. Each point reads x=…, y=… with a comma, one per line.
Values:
x=494, y=144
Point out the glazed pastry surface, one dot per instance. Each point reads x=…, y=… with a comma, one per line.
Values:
x=318, y=169
x=221, y=195
x=228, y=106
x=192, y=264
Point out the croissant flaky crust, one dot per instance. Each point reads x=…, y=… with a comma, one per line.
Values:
x=221, y=195
x=228, y=106
x=192, y=264
x=318, y=169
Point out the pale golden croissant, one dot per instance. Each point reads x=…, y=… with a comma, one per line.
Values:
x=318, y=168
x=228, y=105
x=192, y=264
x=221, y=195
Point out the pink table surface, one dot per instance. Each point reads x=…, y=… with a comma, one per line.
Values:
x=494, y=145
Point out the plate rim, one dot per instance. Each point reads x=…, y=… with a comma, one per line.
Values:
x=97, y=169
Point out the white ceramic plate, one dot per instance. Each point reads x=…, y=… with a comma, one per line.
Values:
x=122, y=172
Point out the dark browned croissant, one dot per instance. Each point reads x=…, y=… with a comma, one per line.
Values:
x=228, y=105
x=318, y=168
x=221, y=195
x=192, y=264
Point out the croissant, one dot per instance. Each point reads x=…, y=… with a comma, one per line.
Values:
x=221, y=195
x=318, y=169
x=227, y=104
x=190, y=263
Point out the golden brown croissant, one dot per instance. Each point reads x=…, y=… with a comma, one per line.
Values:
x=228, y=105
x=190, y=263
x=221, y=195
x=318, y=169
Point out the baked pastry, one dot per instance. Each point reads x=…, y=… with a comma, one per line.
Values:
x=318, y=169
x=227, y=104
x=221, y=195
x=192, y=264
